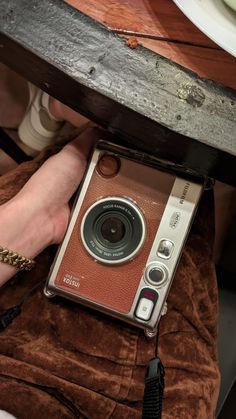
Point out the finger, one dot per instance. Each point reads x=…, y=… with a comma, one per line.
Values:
x=59, y=177
x=82, y=145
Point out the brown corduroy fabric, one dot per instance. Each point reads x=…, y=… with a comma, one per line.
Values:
x=60, y=360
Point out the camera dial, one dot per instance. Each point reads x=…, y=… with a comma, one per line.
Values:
x=113, y=230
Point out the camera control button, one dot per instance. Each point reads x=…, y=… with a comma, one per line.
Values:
x=165, y=249
x=156, y=274
x=144, y=309
x=145, y=306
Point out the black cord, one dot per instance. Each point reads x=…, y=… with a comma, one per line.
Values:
x=11, y=313
x=157, y=341
x=28, y=294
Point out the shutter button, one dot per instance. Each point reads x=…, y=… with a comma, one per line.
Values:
x=156, y=274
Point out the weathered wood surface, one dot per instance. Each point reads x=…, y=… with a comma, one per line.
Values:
x=138, y=95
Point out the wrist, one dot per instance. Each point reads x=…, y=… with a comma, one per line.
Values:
x=24, y=231
x=24, y=228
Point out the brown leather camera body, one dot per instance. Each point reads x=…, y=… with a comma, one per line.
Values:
x=78, y=274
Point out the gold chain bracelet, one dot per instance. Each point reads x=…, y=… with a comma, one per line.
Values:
x=14, y=259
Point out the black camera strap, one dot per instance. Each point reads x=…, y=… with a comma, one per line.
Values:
x=7, y=317
x=12, y=149
x=154, y=386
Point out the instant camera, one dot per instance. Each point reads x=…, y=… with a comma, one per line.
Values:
x=128, y=227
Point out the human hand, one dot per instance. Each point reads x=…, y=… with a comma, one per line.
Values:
x=38, y=215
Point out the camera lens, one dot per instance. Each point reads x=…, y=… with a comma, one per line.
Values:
x=113, y=230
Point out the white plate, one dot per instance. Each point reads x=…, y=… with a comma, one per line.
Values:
x=213, y=18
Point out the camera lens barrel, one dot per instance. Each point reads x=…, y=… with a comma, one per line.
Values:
x=113, y=230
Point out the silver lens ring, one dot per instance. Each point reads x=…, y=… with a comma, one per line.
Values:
x=113, y=230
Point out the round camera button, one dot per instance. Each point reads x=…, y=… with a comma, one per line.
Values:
x=156, y=274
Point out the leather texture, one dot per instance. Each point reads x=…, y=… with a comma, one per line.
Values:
x=115, y=286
